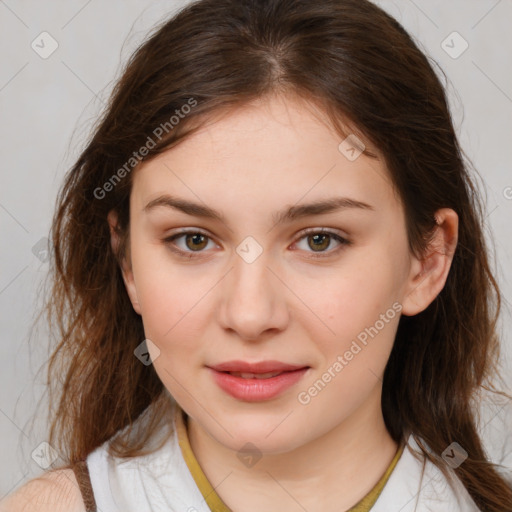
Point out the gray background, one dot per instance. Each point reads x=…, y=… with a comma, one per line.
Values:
x=48, y=105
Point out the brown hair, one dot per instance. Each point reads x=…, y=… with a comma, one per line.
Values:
x=360, y=66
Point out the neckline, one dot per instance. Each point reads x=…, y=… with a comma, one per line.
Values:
x=214, y=501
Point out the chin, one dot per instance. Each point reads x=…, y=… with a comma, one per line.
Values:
x=268, y=436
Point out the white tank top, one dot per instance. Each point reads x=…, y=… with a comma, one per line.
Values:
x=162, y=482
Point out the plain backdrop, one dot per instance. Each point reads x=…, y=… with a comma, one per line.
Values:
x=59, y=60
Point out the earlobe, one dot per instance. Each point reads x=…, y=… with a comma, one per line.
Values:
x=428, y=275
x=125, y=265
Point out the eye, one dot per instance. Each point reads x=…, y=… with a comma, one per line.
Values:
x=319, y=240
x=193, y=241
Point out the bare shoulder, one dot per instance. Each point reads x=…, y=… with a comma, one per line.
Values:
x=54, y=491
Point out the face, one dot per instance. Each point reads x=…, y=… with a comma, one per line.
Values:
x=319, y=289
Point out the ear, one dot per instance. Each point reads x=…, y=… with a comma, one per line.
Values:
x=126, y=268
x=428, y=275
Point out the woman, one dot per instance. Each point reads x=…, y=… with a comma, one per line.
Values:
x=277, y=285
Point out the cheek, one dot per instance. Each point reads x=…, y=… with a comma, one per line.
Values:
x=357, y=294
x=359, y=313
x=170, y=297
x=172, y=314
x=363, y=316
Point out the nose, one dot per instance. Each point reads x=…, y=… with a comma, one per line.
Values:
x=254, y=303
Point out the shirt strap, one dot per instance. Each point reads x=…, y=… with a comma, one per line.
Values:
x=367, y=502
x=84, y=482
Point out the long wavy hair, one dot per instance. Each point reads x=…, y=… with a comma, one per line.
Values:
x=362, y=68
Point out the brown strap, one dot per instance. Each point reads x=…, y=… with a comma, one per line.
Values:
x=84, y=481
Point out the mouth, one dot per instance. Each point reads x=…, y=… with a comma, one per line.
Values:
x=254, y=375
x=259, y=368
x=254, y=382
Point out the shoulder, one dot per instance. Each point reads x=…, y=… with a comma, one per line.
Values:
x=416, y=484
x=54, y=491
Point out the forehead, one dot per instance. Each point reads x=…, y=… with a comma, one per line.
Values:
x=271, y=151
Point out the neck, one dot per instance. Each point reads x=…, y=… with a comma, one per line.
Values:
x=332, y=472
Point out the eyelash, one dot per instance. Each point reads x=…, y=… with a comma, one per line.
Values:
x=312, y=231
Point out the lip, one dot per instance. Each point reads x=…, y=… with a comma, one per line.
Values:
x=260, y=367
x=254, y=389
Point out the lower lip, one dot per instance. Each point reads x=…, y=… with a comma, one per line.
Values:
x=257, y=390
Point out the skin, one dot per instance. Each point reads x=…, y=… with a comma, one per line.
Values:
x=286, y=305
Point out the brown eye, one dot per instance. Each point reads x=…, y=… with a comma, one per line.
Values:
x=196, y=241
x=319, y=241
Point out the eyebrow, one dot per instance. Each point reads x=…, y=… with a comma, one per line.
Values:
x=288, y=215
